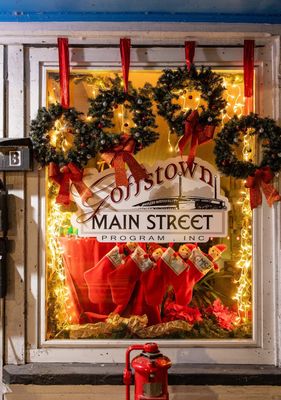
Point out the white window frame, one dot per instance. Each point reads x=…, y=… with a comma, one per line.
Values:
x=262, y=349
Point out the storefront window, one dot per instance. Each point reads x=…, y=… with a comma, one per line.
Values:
x=95, y=289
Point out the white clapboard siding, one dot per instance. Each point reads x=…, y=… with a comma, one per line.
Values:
x=15, y=300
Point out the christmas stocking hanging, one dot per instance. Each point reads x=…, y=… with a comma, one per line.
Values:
x=96, y=279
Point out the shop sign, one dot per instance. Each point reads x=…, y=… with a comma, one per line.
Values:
x=176, y=203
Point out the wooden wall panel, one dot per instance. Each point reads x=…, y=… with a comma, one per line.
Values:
x=15, y=300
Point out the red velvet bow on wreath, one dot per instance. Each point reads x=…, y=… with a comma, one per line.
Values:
x=260, y=182
x=66, y=175
x=198, y=134
x=121, y=155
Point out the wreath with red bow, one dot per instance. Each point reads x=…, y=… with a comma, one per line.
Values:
x=258, y=176
x=59, y=135
x=117, y=148
x=188, y=123
x=65, y=143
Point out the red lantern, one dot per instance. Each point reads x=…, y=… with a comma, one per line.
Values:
x=151, y=373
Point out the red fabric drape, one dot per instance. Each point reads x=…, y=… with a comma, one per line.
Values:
x=64, y=71
x=189, y=53
x=248, y=66
x=125, y=46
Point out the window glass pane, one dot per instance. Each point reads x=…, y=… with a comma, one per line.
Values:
x=217, y=304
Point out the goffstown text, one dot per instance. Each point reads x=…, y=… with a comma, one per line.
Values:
x=106, y=193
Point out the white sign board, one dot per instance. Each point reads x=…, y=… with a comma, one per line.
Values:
x=174, y=204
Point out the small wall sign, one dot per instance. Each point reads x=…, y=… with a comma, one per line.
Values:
x=15, y=156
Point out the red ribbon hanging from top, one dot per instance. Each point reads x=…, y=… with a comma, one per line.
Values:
x=199, y=134
x=64, y=71
x=70, y=173
x=121, y=155
x=260, y=182
x=189, y=53
x=248, y=66
x=125, y=46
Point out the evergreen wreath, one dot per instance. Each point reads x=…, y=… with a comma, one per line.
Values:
x=174, y=83
x=82, y=146
x=267, y=132
x=138, y=102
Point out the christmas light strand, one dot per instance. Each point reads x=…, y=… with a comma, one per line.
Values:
x=58, y=300
x=243, y=294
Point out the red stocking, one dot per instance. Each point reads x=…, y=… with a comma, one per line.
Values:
x=127, y=290
x=79, y=255
x=139, y=305
x=168, y=272
x=189, y=278
x=122, y=281
x=96, y=279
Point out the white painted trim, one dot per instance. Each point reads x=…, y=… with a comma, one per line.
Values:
x=33, y=210
x=85, y=33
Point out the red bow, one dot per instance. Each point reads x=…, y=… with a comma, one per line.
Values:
x=63, y=177
x=121, y=155
x=199, y=134
x=259, y=182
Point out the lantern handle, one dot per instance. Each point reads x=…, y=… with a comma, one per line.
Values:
x=127, y=374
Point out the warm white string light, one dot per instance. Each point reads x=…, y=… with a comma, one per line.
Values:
x=243, y=294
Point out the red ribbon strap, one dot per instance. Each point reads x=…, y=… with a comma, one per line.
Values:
x=70, y=173
x=248, y=65
x=120, y=156
x=259, y=182
x=197, y=133
x=64, y=71
x=189, y=53
x=125, y=45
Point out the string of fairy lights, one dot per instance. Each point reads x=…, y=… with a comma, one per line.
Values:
x=59, y=308
x=243, y=294
x=58, y=299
